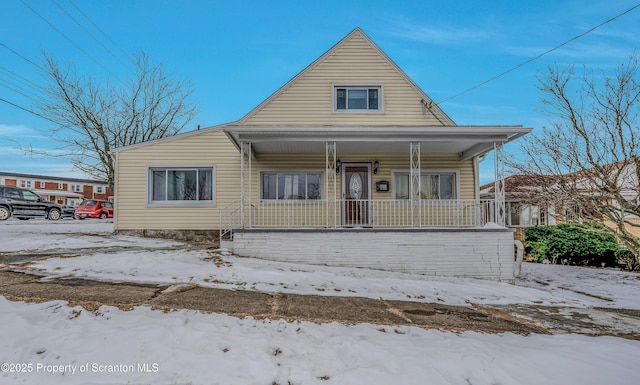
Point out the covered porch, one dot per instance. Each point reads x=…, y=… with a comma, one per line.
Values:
x=347, y=193
x=371, y=188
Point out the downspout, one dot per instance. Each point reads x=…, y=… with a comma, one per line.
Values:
x=116, y=187
x=519, y=256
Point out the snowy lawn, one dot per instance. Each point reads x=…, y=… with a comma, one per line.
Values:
x=187, y=347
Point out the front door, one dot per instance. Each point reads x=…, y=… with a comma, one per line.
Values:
x=356, y=194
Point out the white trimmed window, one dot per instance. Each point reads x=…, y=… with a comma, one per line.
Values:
x=99, y=190
x=60, y=186
x=76, y=188
x=25, y=184
x=181, y=184
x=357, y=98
x=291, y=185
x=433, y=185
x=43, y=185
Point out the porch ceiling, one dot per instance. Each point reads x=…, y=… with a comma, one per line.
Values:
x=467, y=141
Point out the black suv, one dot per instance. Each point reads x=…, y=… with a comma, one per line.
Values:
x=25, y=204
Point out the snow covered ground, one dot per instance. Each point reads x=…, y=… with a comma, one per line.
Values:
x=56, y=344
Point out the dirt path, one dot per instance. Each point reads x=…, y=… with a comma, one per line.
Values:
x=92, y=294
x=321, y=309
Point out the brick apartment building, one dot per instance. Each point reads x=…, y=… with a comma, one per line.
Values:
x=65, y=191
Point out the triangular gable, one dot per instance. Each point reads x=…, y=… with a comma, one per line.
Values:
x=307, y=99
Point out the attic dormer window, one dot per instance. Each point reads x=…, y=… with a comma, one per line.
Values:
x=357, y=98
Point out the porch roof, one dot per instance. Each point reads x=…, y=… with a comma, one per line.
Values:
x=466, y=141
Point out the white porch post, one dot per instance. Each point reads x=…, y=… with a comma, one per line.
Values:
x=250, y=157
x=330, y=176
x=414, y=183
x=245, y=149
x=498, y=163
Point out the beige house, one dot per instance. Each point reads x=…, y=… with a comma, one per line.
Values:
x=350, y=163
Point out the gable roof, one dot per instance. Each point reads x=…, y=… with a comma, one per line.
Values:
x=426, y=100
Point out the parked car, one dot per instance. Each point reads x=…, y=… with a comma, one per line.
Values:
x=25, y=204
x=92, y=208
x=68, y=211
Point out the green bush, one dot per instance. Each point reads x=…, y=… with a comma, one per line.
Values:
x=571, y=244
x=535, y=251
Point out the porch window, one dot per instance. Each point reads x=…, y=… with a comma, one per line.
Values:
x=357, y=98
x=291, y=185
x=181, y=184
x=433, y=185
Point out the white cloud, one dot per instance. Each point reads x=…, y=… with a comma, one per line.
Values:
x=440, y=35
x=19, y=131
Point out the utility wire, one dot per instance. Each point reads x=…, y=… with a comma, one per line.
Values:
x=90, y=34
x=22, y=79
x=17, y=87
x=38, y=66
x=103, y=33
x=539, y=56
x=28, y=110
x=70, y=40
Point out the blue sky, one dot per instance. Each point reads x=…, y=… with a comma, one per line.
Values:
x=236, y=53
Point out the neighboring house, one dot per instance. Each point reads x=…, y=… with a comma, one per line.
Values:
x=349, y=163
x=520, y=209
x=525, y=205
x=64, y=191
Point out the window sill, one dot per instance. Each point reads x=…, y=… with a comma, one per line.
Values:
x=357, y=112
x=292, y=201
x=180, y=204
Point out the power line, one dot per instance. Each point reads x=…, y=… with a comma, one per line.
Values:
x=23, y=58
x=28, y=110
x=22, y=79
x=14, y=89
x=539, y=56
x=69, y=40
x=32, y=96
x=103, y=33
x=90, y=34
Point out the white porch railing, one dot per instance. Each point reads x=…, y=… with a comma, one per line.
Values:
x=455, y=213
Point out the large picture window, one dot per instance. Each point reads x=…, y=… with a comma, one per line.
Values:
x=297, y=185
x=181, y=184
x=433, y=185
x=357, y=98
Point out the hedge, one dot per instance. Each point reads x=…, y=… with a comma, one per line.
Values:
x=571, y=244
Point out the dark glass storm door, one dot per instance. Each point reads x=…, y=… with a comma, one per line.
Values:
x=356, y=194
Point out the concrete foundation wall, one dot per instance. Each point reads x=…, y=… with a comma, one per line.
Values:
x=477, y=253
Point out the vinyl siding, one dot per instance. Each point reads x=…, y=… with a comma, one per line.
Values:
x=309, y=101
x=207, y=149
x=215, y=149
x=388, y=164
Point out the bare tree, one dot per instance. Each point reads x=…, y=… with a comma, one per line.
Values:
x=590, y=151
x=94, y=117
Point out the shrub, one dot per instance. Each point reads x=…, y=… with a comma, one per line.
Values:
x=535, y=251
x=572, y=244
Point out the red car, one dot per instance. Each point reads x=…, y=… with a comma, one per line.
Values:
x=91, y=208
